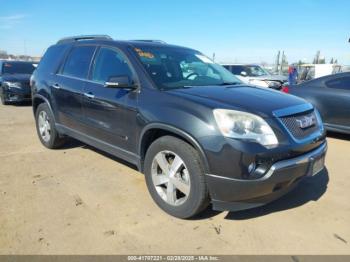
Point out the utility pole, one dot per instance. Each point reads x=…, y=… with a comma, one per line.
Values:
x=282, y=62
x=277, y=61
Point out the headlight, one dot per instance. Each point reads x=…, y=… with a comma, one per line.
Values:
x=273, y=84
x=242, y=125
x=13, y=84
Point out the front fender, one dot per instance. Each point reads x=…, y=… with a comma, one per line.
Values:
x=179, y=132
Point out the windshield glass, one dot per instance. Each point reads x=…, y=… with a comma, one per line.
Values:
x=17, y=68
x=255, y=71
x=171, y=67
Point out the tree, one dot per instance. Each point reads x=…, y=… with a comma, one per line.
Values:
x=3, y=54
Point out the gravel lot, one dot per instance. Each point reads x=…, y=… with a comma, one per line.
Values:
x=78, y=200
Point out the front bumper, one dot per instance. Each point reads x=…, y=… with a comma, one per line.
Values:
x=17, y=95
x=237, y=194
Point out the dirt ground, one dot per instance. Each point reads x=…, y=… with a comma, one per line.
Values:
x=78, y=200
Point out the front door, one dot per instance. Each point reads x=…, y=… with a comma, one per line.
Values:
x=110, y=113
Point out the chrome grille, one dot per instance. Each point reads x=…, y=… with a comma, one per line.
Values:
x=292, y=123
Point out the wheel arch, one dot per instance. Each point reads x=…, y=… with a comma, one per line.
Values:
x=39, y=99
x=156, y=130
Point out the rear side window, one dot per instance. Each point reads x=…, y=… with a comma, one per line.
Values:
x=339, y=83
x=78, y=61
x=49, y=62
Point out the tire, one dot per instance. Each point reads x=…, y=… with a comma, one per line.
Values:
x=189, y=176
x=3, y=101
x=53, y=139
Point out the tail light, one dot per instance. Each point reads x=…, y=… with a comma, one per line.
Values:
x=285, y=89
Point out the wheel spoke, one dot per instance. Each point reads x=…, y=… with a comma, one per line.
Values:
x=160, y=179
x=180, y=185
x=162, y=162
x=171, y=193
x=175, y=165
x=41, y=120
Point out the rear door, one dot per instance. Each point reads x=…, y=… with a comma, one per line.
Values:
x=110, y=113
x=68, y=86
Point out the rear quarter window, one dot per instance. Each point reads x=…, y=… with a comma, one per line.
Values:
x=78, y=61
x=51, y=59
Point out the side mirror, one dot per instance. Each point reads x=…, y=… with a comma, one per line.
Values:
x=120, y=82
x=244, y=73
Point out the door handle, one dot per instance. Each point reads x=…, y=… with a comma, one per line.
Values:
x=56, y=86
x=89, y=95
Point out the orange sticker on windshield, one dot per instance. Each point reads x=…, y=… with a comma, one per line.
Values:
x=144, y=54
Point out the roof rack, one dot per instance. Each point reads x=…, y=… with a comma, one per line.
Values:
x=150, y=41
x=83, y=37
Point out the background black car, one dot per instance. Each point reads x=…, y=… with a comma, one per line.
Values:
x=331, y=96
x=14, y=81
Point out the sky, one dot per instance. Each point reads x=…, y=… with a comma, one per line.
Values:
x=236, y=31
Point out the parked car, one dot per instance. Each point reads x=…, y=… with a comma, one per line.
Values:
x=256, y=75
x=196, y=131
x=331, y=96
x=14, y=81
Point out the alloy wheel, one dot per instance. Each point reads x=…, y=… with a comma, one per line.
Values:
x=44, y=126
x=171, y=178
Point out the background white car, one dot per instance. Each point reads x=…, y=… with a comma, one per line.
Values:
x=256, y=75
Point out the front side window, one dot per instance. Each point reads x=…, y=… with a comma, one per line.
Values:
x=339, y=83
x=172, y=67
x=78, y=61
x=17, y=68
x=110, y=63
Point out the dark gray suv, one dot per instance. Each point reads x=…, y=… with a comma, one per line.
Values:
x=198, y=133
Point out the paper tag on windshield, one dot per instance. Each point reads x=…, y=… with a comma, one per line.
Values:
x=204, y=59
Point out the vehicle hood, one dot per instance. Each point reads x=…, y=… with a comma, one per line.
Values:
x=270, y=78
x=16, y=77
x=257, y=100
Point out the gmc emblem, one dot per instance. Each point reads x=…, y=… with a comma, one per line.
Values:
x=306, y=121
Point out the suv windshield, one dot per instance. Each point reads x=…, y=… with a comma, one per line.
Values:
x=171, y=67
x=17, y=68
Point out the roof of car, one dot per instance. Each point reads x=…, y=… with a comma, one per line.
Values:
x=101, y=39
x=326, y=77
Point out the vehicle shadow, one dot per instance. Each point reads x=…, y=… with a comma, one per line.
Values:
x=21, y=104
x=338, y=136
x=309, y=189
x=73, y=143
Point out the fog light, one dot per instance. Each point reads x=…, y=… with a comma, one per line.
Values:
x=13, y=97
x=251, y=167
